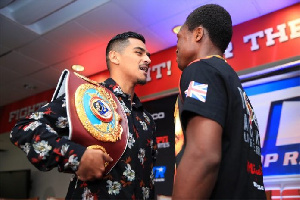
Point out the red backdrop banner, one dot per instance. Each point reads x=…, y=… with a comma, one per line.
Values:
x=20, y=109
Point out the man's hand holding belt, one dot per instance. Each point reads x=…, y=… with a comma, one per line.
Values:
x=92, y=165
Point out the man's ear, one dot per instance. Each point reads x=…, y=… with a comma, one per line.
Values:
x=114, y=57
x=198, y=33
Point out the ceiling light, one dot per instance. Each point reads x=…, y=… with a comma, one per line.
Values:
x=78, y=68
x=176, y=29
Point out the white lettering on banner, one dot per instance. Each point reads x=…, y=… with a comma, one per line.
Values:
x=294, y=27
x=23, y=112
x=281, y=35
x=269, y=33
x=290, y=158
x=228, y=51
x=273, y=157
x=159, y=115
x=158, y=69
x=169, y=72
x=253, y=37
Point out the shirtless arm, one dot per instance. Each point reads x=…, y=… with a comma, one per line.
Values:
x=198, y=170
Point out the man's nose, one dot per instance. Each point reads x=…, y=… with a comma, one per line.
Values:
x=147, y=59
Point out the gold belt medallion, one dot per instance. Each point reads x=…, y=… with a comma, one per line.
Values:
x=97, y=111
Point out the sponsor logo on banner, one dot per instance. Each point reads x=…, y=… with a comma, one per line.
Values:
x=160, y=115
x=159, y=173
x=162, y=142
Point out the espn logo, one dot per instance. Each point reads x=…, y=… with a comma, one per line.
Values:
x=162, y=142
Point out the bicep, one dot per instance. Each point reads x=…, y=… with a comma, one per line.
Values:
x=203, y=137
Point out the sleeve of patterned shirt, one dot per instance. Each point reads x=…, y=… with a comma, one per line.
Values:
x=43, y=136
x=154, y=151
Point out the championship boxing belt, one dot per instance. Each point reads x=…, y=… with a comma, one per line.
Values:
x=96, y=118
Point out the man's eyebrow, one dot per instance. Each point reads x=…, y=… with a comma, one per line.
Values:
x=143, y=50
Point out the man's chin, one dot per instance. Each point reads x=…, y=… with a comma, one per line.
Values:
x=181, y=67
x=141, y=82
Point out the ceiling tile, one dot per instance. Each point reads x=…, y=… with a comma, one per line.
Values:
x=106, y=27
x=13, y=35
x=74, y=37
x=40, y=86
x=45, y=51
x=166, y=26
x=16, y=91
x=43, y=16
x=154, y=42
x=3, y=49
x=48, y=75
x=8, y=95
x=150, y=12
x=4, y=3
x=7, y=76
x=19, y=63
x=94, y=61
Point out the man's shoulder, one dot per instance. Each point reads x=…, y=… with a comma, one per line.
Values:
x=199, y=67
x=218, y=63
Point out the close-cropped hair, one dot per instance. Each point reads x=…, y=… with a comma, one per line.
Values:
x=216, y=20
x=120, y=42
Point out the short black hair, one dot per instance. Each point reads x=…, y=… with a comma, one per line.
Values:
x=216, y=20
x=120, y=41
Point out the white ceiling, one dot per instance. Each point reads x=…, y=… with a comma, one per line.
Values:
x=33, y=52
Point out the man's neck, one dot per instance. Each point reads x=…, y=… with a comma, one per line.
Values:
x=212, y=52
x=207, y=48
x=126, y=87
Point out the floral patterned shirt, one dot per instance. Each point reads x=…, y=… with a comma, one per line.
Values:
x=43, y=136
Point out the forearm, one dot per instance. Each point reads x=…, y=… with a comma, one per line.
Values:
x=45, y=149
x=43, y=136
x=195, y=178
x=198, y=169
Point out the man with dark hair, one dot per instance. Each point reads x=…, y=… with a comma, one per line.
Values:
x=221, y=155
x=44, y=134
x=119, y=41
